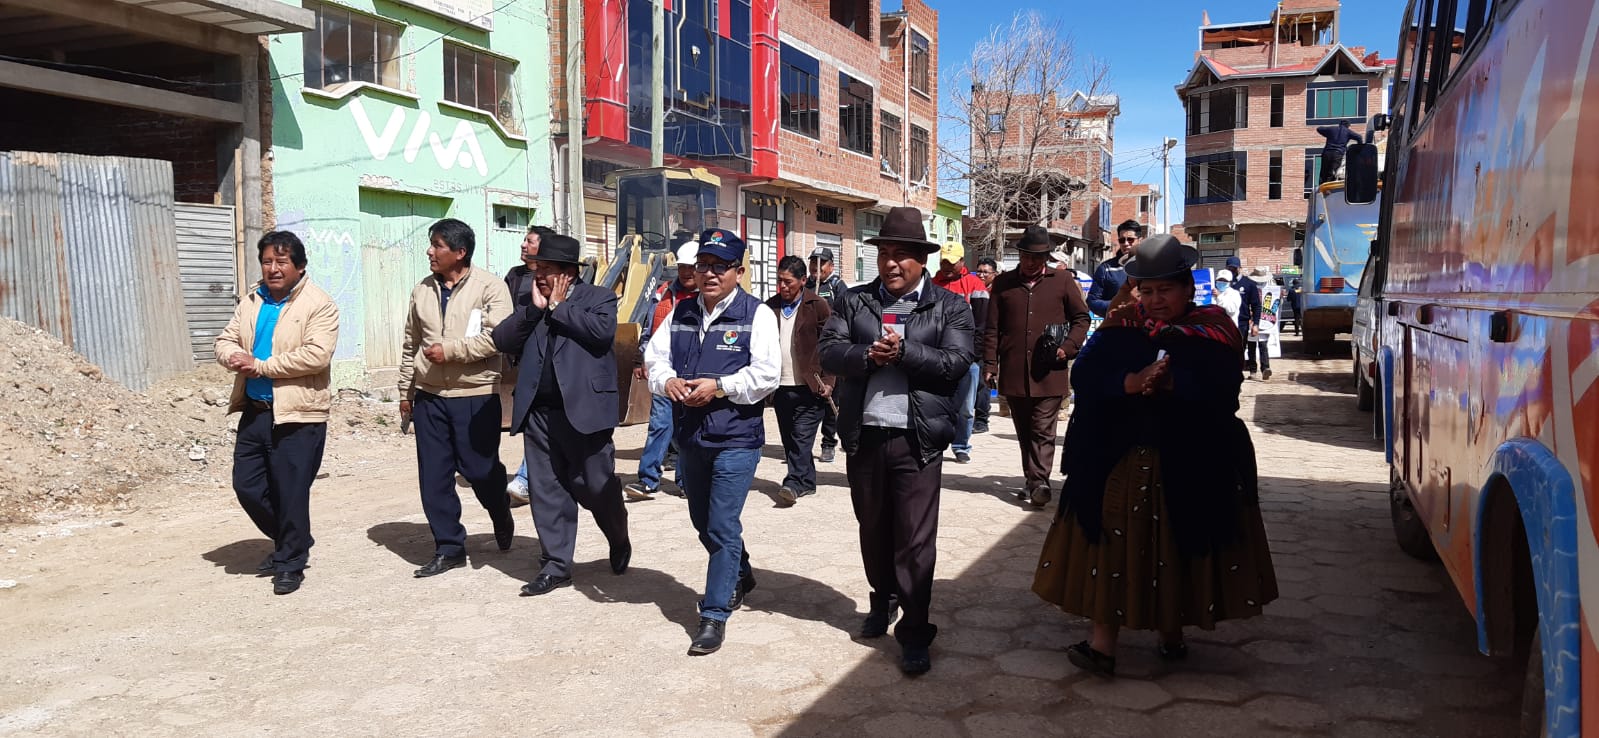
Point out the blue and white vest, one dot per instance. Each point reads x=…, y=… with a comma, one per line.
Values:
x=724, y=350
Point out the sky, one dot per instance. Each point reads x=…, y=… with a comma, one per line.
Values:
x=1149, y=46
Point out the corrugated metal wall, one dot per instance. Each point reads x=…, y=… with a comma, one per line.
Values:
x=87, y=253
x=206, y=262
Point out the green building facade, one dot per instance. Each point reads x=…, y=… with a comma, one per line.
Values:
x=390, y=116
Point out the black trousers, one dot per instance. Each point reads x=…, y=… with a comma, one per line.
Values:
x=1036, y=419
x=567, y=469
x=1330, y=162
x=273, y=468
x=896, y=503
x=1253, y=349
x=981, y=408
x=457, y=434
x=829, y=427
x=799, y=412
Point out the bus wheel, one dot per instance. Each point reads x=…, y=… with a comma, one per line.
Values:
x=1533, y=722
x=1365, y=394
x=1408, y=528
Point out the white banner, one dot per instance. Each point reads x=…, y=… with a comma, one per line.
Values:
x=479, y=13
x=1271, y=296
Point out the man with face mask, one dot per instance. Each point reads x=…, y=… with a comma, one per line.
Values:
x=1227, y=297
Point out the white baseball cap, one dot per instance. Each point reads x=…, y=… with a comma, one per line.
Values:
x=1224, y=276
x=688, y=253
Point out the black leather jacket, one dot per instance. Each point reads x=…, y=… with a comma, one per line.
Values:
x=938, y=354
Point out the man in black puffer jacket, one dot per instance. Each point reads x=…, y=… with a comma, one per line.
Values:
x=899, y=347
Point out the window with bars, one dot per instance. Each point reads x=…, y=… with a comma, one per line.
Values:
x=1218, y=110
x=481, y=81
x=890, y=136
x=921, y=63
x=920, y=154
x=1213, y=178
x=1274, y=176
x=801, y=86
x=855, y=116
x=350, y=47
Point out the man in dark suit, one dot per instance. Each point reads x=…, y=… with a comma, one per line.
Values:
x=566, y=409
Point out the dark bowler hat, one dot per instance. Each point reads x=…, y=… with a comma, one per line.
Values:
x=903, y=225
x=1035, y=240
x=722, y=244
x=559, y=249
x=1161, y=257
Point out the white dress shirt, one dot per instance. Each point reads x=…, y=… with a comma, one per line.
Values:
x=746, y=386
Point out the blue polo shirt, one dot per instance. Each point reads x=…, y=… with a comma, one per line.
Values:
x=266, y=322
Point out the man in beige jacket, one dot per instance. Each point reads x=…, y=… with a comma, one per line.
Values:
x=280, y=344
x=448, y=369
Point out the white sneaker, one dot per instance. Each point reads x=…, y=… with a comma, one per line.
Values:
x=517, y=491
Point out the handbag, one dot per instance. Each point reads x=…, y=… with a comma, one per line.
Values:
x=1054, y=338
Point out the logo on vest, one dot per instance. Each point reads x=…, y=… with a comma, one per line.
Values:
x=729, y=342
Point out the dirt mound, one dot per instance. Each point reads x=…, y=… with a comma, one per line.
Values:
x=78, y=441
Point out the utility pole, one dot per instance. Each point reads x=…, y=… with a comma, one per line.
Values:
x=657, y=83
x=1165, y=182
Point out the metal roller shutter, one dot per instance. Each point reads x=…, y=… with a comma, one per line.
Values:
x=207, y=268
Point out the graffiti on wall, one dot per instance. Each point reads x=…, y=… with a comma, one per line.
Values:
x=462, y=150
x=335, y=264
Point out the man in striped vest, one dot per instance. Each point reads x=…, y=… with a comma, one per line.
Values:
x=717, y=362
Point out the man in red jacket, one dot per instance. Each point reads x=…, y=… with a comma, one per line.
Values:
x=952, y=276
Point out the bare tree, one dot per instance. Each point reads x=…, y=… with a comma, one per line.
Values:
x=1020, y=108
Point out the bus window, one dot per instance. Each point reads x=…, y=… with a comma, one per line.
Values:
x=1422, y=62
x=1470, y=18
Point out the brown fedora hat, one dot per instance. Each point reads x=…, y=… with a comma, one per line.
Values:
x=903, y=225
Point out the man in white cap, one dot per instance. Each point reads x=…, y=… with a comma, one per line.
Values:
x=658, y=440
x=1227, y=297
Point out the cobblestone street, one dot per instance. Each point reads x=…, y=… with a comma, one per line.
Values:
x=154, y=623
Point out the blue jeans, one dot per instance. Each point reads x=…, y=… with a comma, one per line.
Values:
x=966, y=395
x=716, y=482
x=656, y=443
x=521, y=472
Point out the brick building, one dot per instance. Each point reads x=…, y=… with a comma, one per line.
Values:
x=1057, y=154
x=818, y=115
x=1253, y=101
x=1134, y=201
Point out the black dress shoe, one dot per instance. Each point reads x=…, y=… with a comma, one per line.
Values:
x=877, y=621
x=620, y=557
x=441, y=564
x=709, y=638
x=543, y=583
x=266, y=565
x=286, y=582
x=827, y=454
x=745, y=584
x=915, y=660
x=504, y=530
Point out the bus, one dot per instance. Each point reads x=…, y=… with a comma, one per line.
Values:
x=1488, y=291
x=1338, y=236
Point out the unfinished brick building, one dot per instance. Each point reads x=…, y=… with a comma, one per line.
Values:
x=1253, y=101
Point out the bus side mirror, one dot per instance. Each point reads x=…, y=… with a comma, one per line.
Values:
x=1360, y=174
x=1380, y=122
x=1299, y=257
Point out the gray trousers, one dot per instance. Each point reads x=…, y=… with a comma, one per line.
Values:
x=565, y=470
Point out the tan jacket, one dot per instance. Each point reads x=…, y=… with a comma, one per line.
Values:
x=471, y=363
x=302, y=352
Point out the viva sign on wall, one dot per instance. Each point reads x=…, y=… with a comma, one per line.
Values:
x=462, y=150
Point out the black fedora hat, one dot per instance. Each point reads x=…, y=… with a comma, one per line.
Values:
x=903, y=225
x=1037, y=239
x=1161, y=257
x=559, y=249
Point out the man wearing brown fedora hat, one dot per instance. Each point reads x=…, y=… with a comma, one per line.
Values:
x=899, y=346
x=1037, y=321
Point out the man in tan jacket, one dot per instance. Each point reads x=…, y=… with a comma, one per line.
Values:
x=448, y=369
x=280, y=344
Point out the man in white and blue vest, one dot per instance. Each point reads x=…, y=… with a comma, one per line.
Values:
x=717, y=363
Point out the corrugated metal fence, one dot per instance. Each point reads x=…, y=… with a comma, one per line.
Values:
x=206, y=261
x=87, y=253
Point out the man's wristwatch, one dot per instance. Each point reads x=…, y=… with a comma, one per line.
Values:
x=720, y=393
x=553, y=303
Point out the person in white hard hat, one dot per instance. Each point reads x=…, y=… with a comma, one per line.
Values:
x=658, y=441
x=1227, y=297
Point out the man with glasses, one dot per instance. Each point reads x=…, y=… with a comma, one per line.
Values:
x=717, y=360
x=1109, y=276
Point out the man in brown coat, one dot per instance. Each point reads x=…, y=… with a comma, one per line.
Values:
x=802, y=392
x=1020, y=351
